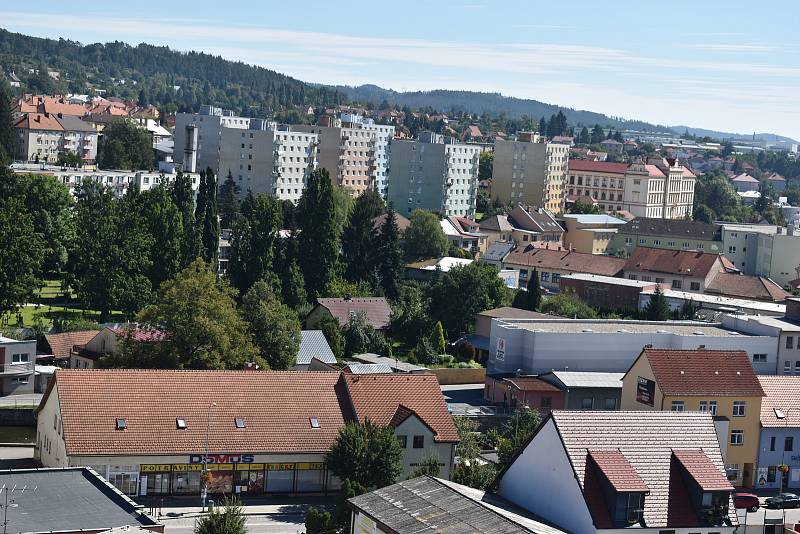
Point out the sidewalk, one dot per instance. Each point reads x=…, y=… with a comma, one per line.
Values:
x=188, y=507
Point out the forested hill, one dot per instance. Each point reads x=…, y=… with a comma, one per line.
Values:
x=169, y=79
x=491, y=103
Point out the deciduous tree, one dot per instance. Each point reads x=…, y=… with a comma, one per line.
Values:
x=254, y=241
x=274, y=326
x=367, y=454
x=424, y=238
x=125, y=146
x=21, y=255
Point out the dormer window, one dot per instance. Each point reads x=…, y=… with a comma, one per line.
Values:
x=707, y=487
x=121, y=424
x=612, y=480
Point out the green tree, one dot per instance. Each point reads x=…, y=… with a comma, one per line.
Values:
x=657, y=308
x=367, y=454
x=125, y=146
x=516, y=433
x=437, y=338
x=424, y=238
x=333, y=334
x=110, y=255
x=597, y=134
x=429, y=466
x=70, y=159
x=359, y=337
x=210, y=228
x=457, y=295
x=485, y=165
x=357, y=238
x=532, y=298
x=203, y=330
x=164, y=223
x=584, y=208
x=228, y=201
x=568, y=304
x=715, y=191
x=470, y=471
x=273, y=325
x=183, y=198
x=343, y=515
x=319, y=521
x=226, y=519
x=254, y=240
x=21, y=255
x=7, y=134
x=319, y=233
x=584, y=138
x=410, y=320
x=389, y=255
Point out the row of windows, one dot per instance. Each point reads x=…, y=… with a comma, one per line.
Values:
x=418, y=442
x=739, y=407
x=788, y=443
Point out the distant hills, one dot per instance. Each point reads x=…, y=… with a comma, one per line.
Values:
x=701, y=132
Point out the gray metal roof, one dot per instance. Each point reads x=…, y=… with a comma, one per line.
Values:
x=314, y=345
x=69, y=499
x=369, y=368
x=397, y=365
x=426, y=505
x=579, y=379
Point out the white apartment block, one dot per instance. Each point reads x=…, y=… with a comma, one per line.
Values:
x=42, y=137
x=530, y=171
x=764, y=250
x=433, y=175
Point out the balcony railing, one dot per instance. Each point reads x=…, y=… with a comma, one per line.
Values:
x=16, y=369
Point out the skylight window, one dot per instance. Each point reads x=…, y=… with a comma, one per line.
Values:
x=239, y=422
x=121, y=424
x=314, y=422
x=779, y=413
x=180, y=423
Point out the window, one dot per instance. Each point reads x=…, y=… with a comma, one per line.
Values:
x=180, y=424
x=787, y=366
x=694, y=286
x=121, y=424
x=239, y=422
x=419, y=442
x=772, y=443
x=545, y=276
x=587, y=403
x=677, y=406
x=546, y=402
x=659, y=280
x=739, y=408
x=611, y=404
x=759, y=358
x=642, y=241
x=403, y=441
x=314, y=422
x=709, y=407
x=19, y=380
x=737, y=437
x=676, y=284
x=789, y=342
x=731, y=250
x=19, y=358
x=788, y=444
x=772, y=471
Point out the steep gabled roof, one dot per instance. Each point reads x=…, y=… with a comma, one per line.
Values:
x=782, y=393
x=39, y=121
x=682, y=262
x=376, y=309
x=61, y=344
x=749, y=287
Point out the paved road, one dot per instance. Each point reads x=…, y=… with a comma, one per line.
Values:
x=464, y=398
x=276, y=524
x=25, y=399
x=16, y=457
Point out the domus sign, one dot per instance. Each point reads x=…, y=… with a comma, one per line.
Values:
x=222, y=458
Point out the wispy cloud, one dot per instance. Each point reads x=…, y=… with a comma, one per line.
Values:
x=735, y=47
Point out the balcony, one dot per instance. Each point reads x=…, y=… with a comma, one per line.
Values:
x=16, y=369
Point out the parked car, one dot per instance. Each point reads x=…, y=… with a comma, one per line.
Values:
x=784, y=500
x=746, y=500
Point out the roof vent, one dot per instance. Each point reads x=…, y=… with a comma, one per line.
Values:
x=180, y=423
x=738, y=372
x=314, y=422
x=716, y=372
x=682, y=371
x=121, y=424
x=239, y=422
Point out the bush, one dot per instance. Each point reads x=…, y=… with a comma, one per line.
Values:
x=319, y=522
x=465, y=351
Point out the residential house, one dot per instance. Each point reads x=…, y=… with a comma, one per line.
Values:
x=606, y=292
x=743, y=182
x=497, y=228
x=678, y=269
x=587, y=390
x=313, y=345
x=552, y=264
x=17, y=360
x=378, y=222
x=779, y=443
x=375, y=309
x=776, y=181
x=108, y=341
x=60, y=345
x=610, y=471
x=671, y=234
x=79, y=137
x=40, y=138
x=534, y=346
x=427, y=270
x=497, y=252
x=533, y=225
x=514, y=392
x=465, y=234
x=428, y=504
x=590, y=234
x=721, y=383
x=737, y=285
x=472, y=134
x=764, y=250
x=612, y=146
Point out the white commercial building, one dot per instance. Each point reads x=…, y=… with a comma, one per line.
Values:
x=533, y=346
x=764, y=250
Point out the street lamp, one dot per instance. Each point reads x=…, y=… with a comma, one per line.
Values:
x=205, y=475
x=782, y=414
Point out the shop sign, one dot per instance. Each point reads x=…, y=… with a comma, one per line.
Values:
x=500, y=353
x=155, y=468
x=645, y=391
x=219, y=467
x=280, y=467
x=187, y=467
x=310, y=466
x=222, y=458
x=249, y=467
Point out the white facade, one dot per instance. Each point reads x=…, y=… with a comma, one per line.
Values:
x=779, y=329
x=535, y=346
x=763, y=250
x=17, y=360
x=418, y=446
x=667, y=194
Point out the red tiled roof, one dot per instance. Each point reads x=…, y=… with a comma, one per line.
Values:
x=377, y=398
x=402, y=222
x=683, y=262
x=61, y=344
x=618, y=470
x=749, y=287
x=597, y=166
x=531, y=383
x=39, y=121
x=654, y=171
x=725, y=373
x=377, y=309
x=782, y=392
x=142, y=335
x=700, y=468
x=575, y=262
x=276, y=407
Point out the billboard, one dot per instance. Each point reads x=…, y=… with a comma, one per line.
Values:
x=645, y=391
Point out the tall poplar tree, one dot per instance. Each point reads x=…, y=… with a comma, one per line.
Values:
x=254, y=240
x=357, y=238
x=183, y=198
x=389, y=255
x=319, y=234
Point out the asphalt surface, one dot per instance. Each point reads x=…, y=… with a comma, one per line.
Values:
x=24, y=399
x=278, y=524
x=16, y=457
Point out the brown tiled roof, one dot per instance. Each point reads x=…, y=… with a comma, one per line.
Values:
x=677, y=228
x=531, y=383
x=276, y=407
x=597, y=166
x=61, y=344
x=497, y=223
x=402, y=222
x=39, y=121
x=575, y=262
x=618, y=470
x=782, y=392
x=377, y=309
x=700, y=468
x=56, y=106
x=377, y=398
x=681, y=262
x=724, y=373
x=748, y=287
x=647, y=439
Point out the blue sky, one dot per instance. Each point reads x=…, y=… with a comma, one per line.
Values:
x=732, y=66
